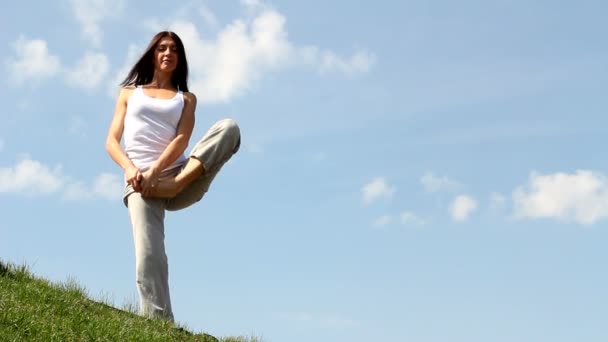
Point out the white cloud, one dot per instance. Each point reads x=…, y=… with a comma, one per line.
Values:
x=361, y=62
x=382, y=221
x=227, y=65
x=462, y=207
x=432, y=183
x=76, y=191
x=409, y=218
x=377, y=189
x=90, y=71
x=326, y=61
x=581, y=197
x=105, y=186
x=108, y=186
x=30, y=177
x=90, y=13
x=33, y=61
x=1, y=145
x=241, y=52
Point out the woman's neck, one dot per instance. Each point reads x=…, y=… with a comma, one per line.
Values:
x=161, y=81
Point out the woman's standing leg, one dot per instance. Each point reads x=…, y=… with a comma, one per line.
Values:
x=151, y=267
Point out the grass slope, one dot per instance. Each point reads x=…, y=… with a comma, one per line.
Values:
x=32, y=308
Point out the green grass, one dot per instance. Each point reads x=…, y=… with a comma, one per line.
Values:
x=34, y=309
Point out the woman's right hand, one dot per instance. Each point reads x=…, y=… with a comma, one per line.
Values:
x=133, y=177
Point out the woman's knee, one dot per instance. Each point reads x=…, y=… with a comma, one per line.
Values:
x=231, y=130
x=230, y=127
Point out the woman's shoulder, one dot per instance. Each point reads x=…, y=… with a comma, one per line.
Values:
x=127, y=89
x=125, y=92
x=189, y=97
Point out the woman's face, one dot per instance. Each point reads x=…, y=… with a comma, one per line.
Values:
x=165, y=55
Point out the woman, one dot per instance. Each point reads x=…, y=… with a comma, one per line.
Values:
x=155, y=116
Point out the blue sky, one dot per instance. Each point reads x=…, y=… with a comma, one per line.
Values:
x=410, y=171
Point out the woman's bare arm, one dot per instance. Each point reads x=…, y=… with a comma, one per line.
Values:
x=176, y=147
x=132, y=174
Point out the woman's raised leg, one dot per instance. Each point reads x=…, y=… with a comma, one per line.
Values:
x=208, y=156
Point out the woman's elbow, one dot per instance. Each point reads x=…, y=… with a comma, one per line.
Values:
x=110, y=145
x=182, y=141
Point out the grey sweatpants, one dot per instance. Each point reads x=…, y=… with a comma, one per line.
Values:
x=148, y=216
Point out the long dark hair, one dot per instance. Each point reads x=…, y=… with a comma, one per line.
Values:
x=143, y=71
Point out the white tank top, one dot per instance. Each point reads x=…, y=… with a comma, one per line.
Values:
x=150, y=125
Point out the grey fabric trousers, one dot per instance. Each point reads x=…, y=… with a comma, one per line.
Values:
x=148, y=215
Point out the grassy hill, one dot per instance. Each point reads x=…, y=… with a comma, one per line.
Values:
x=35, y=309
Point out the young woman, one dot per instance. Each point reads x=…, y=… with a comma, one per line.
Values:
x=155, y=117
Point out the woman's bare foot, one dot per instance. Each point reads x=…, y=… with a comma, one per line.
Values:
x=170, y=187
x=165, y=188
